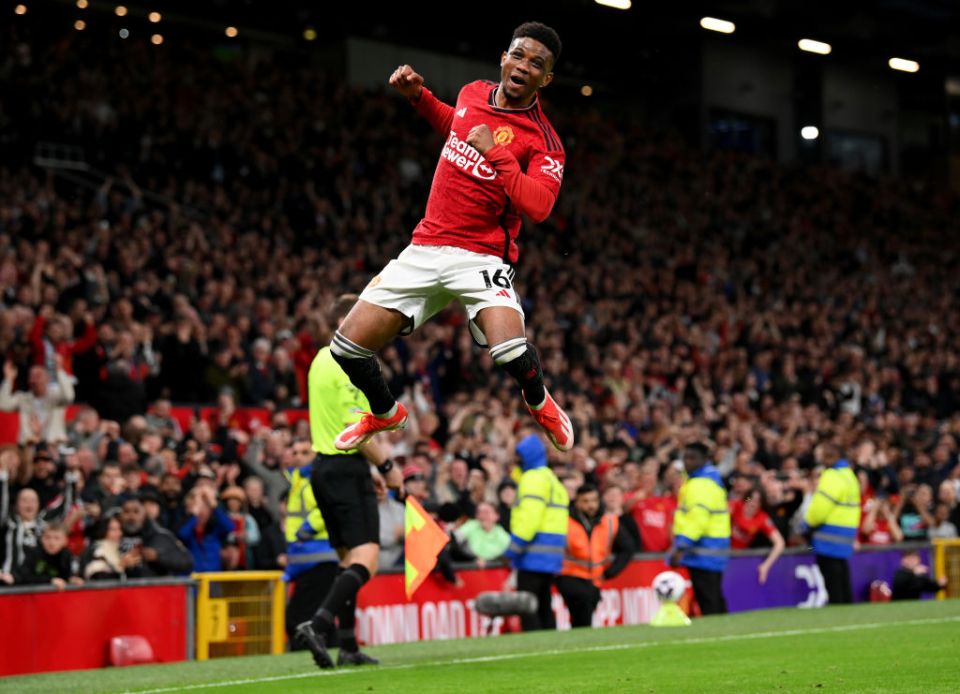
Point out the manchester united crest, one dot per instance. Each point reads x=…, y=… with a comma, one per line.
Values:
x=503, y=135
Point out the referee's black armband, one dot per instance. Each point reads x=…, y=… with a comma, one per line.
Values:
x=386, y=466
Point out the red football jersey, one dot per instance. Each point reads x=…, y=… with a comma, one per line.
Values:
x=744, y=529
x=476, y=201
x=654, y=518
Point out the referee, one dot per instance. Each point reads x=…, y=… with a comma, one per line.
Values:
x=343, y=485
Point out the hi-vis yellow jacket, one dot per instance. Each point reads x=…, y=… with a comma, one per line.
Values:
x=538, y=525
x=834, y=512
x=701, y=524
x=308, y=542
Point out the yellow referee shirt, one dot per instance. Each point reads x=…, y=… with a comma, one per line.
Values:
x=335, y=402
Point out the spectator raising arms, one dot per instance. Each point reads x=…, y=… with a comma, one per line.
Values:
x=50, y=337
x=41, y=407
x=207, y=529
x=20, y=534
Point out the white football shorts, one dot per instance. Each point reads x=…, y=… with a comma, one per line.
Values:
x=422, y=280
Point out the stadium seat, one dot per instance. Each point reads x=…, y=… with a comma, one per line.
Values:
x=130, y=650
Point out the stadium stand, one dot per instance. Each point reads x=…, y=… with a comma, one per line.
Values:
x=676, y=295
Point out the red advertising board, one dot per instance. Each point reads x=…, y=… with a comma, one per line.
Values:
x=71, y=630
x=441, y=610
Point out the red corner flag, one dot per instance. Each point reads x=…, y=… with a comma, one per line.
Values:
x=422, y=541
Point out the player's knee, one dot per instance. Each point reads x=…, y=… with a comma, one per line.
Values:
x=507, y=351
x=342, y=349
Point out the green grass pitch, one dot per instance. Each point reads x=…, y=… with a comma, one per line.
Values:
x=908, y=647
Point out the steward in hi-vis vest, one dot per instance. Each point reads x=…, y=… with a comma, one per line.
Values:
x=834, y=516
x=598, y=548
x=538, y=530
x=701, y=529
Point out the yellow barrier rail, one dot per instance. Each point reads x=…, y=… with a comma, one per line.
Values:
x=240, y=613
x=946, y=562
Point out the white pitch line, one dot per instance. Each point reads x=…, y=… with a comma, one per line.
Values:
x=555, y=651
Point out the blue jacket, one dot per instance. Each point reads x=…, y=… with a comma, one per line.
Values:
x=206, y=551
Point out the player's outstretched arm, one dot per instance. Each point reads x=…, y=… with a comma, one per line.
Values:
x=410, y=83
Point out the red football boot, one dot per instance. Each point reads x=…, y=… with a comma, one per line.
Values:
x=555, y=422
x=358, y=434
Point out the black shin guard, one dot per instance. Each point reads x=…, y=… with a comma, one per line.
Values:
x=528, y=373
x=363, y=369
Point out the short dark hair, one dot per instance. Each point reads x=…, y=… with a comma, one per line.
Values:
x=699, y=447
x=542, y=33
x=587, y=488
x=127, y=497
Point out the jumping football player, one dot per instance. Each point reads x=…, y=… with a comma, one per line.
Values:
x=501, y=160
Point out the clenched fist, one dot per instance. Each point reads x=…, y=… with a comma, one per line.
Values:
x=407, y=82
x=480, y=138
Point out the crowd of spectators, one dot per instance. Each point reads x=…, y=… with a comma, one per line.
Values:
x=675, y=295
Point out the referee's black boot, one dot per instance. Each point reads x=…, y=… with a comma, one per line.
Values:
x=315, y=642
x=355, y=658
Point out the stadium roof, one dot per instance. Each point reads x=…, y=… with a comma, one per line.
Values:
x=928, y=30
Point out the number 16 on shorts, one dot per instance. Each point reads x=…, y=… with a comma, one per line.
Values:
x=499, y=280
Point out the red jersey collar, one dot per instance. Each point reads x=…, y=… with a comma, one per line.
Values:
x=492, y=99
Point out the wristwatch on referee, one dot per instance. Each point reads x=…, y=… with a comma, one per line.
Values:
x=385, y=467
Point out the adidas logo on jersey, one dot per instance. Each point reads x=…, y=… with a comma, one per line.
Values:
x=504, y=292
x=465, y=157
x=462, y=112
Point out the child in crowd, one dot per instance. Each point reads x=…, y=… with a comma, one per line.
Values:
x=50, y=562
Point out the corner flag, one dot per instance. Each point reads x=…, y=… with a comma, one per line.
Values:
x=422, y=541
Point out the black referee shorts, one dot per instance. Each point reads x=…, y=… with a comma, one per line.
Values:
x=344, y=491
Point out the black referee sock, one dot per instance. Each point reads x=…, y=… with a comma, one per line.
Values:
x=344, y=590
x=519, y=359
x=360, y=364
x=347, y=622
x=346, y=626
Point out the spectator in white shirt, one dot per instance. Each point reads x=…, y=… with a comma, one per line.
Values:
x=42, y=407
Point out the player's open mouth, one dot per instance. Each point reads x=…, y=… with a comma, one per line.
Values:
x=519, y=81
